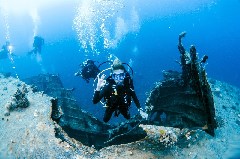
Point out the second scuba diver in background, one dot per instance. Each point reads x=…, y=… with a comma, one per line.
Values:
x=5, y=51
x=89, y=70
x=37, y=45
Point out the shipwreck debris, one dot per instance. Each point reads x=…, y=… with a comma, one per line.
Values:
x=184, y=100
x=80, y=124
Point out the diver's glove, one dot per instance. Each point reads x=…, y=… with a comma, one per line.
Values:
x=143, y=114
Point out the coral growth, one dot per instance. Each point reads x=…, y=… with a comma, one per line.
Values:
x=18, y=100
x=164, y=136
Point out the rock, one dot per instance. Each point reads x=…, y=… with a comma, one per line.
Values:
x=130, y=153
x=238, y=122
x=234, y=108
x=6, y=113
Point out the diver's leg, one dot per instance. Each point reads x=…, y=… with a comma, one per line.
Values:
x=108, y=114
x=124, y=111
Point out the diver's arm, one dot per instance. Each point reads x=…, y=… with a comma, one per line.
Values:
x=98, y=93
x=135, y=99
x=134, y=96
x=97, y=96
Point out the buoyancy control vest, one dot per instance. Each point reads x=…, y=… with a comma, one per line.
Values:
x=120, y=94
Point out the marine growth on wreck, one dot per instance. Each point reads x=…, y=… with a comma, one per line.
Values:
x=184, y=100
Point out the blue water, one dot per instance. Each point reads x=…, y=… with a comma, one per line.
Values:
x=146, y=32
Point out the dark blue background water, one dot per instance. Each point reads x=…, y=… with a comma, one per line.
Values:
x=213, y=26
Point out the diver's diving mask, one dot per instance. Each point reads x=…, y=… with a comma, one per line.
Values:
x=119, y=77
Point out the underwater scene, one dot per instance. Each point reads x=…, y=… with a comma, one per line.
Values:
x=119, y=79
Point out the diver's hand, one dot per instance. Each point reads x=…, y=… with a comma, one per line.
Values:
x=142, y=113
x=101, y=82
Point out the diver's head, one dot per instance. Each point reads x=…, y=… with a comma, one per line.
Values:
x=118, y=71
x=117, y=64
x=90, y=62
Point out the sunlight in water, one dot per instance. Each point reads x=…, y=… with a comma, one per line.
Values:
x=4, y=12
x=101, y=23
x=20, y=7
x=36, y=20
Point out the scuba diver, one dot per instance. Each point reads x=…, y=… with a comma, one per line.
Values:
x=89, y=70
x=117, y=91
x=5, y=50
x=37, y=45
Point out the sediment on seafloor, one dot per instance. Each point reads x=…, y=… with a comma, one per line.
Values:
x=31, y=133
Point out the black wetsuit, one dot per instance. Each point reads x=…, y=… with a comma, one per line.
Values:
x=90, y=70
x=37, y=45
x=117, y=98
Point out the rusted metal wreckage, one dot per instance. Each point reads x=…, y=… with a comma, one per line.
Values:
x=80, y=124
x=182, y=100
